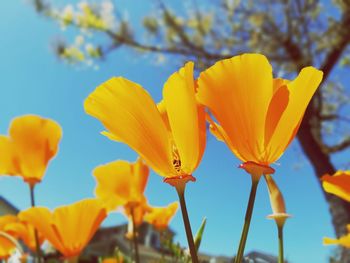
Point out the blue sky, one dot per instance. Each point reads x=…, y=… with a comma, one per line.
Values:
x=34, y=81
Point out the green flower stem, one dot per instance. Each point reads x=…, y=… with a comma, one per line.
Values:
x=37, y=243
x=181, y=193
x=134, y=237
x=280, y=244
x=248, y=217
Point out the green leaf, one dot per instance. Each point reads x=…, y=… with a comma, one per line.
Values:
x=199, y=235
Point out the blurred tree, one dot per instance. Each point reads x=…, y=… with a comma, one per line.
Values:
x=292, y=34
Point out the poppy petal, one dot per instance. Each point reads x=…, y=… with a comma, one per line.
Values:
x=186, y=118
x=35, y=141
x=238, y=91
x=338, y=184
x=129, y=113
x=40, y=218
x=301, y=91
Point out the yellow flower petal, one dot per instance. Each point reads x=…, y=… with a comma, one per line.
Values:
x=238, y=92
x=343, y=241
x=129, y=113
x=162, y=110
x=40, y=218
x=186, y=118
x=32, y=143
x=160, y=217
x=300, y=91
x=338, y=184
x=121, y=182
x=25, y=232
x=7, y=219
x=7, y=248
x=68, y=228
x=7, y=157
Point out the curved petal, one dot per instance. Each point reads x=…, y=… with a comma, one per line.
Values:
x=338, y=184
x=35, y=141
x=7, y=219
x=238, y=91
x=160, y=217
x=186, y=117
x=25, y=232
x=162, y=110
x=77, y=223
x=277, y=106
x=41, y=219
x=301, y=91
x=121, y=182
x=7, y=157
x=7, y=248
x=113, y=183
x=140, y=175
x=129, y=113
x=343, y=241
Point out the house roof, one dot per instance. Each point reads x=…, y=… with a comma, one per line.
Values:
x=10, y=207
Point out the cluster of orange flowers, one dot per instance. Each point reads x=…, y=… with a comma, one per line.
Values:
x=32, y=142
x=256, y=115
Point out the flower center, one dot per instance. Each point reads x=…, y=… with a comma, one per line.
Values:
x=176, y=160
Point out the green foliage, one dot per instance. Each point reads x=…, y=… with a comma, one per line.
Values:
x=199, y=235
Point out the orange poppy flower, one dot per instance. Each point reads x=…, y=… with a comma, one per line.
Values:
x=343, y=241
x=279, y=213
x=338, y=184
x=258, y=116
x=160, y=217
x=32, y=142
x=67, y=228
x=121, y=183
x=7, y=246
x=25, y=232
x=172, y=141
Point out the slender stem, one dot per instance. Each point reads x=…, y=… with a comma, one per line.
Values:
x=280, y=244
x=193, y=252
x=248, y=217
x=134, y=237
x=37, y=243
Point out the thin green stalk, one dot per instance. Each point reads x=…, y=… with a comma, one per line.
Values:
x=181, y=193
x=134, y=237
x=280, y=244
x=37, y=243
x=248, y=217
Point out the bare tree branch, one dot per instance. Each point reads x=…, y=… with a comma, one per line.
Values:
x=344, y=144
